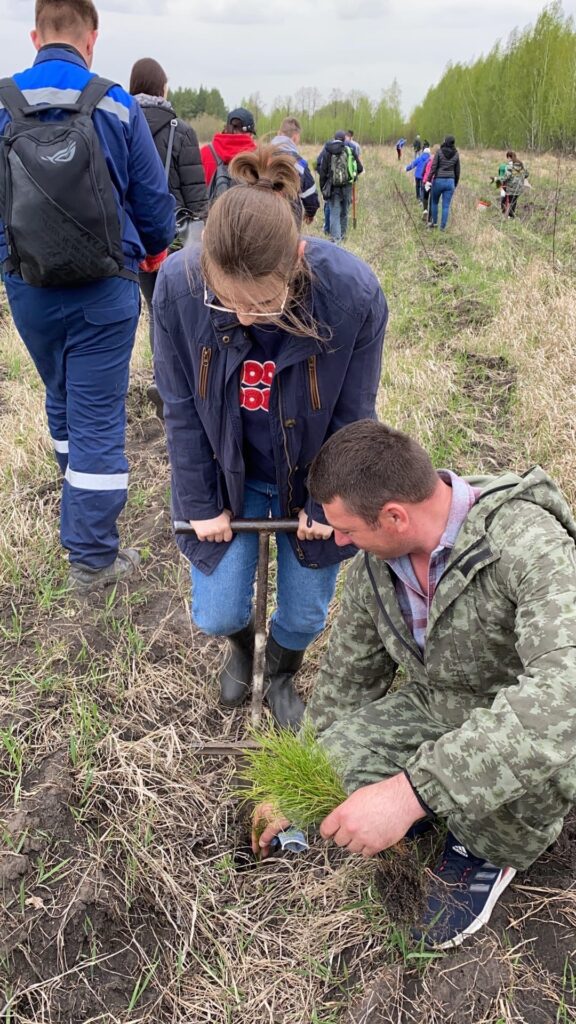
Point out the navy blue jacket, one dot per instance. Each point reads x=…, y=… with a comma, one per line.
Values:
x=145, y=206
x=318, y=387
x=308, y=191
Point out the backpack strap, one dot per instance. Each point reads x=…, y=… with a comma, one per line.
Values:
x=12, y=98
x=173, y=127
x=94, y=91
x=219, y=161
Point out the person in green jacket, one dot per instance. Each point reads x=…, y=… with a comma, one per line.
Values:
x=469, y=586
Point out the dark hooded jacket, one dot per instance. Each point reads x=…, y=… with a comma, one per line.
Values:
x=446, y=163
x=186, y=176
x=333, y=147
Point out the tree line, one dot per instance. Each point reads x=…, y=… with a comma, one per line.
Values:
x=522, y=95
x=191, y=103
x=372, y=121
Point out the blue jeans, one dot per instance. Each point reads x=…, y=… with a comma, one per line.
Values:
x=326, y=228
x=81, y=340
x=222, y=602
x=339, y=203
x=442, y=187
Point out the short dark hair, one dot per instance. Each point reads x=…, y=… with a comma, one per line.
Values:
x=366, y=465
x=147, y=76
x=65, y=16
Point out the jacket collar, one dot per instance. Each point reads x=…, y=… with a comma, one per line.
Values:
x=60, y=51
x=231, y=335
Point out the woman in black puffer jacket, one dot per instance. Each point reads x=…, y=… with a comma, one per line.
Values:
x=445, y=175
x=149, y=86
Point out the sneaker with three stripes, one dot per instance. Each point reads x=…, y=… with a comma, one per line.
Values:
x=462, y=896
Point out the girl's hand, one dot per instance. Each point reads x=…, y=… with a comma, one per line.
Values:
x=216, y=530
x=317, y=531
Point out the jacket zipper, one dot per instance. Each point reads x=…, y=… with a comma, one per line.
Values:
x=287, y=454
x=204, y=367
x=313, y=381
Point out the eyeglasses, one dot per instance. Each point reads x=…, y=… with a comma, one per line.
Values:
x=246, y=312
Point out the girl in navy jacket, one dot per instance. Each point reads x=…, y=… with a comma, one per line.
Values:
x=266, y=343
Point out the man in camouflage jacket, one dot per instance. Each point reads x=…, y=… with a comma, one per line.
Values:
x=482, y=732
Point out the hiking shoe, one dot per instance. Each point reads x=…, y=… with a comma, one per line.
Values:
x=84, y=577
x=431, y=225
x=462, y=896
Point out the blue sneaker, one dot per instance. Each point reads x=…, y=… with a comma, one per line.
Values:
x=463, y=894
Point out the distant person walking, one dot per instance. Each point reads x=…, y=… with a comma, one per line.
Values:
x=288, y=140
x=399, y=147
x=237, y=136
x=338, y=169
x=427, y=186
x=418, y=165
x=350, y=141
x=177, y=146
x=445, y=172
x=513, y=183
x=417, y=145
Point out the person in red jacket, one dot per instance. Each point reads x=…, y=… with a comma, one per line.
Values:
x=236, y=137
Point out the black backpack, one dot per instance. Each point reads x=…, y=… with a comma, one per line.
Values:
x=57, y=202
x=221, y=181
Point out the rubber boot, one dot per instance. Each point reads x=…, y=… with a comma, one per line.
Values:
x=279, y=692
x=236, y=674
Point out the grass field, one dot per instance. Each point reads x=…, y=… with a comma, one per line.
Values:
x=128, y=892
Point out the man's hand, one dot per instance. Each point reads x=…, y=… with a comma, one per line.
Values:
x=374, y=817
x=216, y=530
x=318, y=531
x=261, y=840
x=153, y=263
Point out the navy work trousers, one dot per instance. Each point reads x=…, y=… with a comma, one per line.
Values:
x=81, y=340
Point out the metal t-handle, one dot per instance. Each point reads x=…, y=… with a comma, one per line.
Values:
x=263, y=527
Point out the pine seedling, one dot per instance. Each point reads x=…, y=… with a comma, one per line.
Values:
x=294, y=774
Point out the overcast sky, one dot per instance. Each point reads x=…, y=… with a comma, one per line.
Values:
x=275, y=47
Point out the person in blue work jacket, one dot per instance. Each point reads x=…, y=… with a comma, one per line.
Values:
x=80, y=338
x=265, y=344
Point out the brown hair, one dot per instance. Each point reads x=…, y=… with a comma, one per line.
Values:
x=68, y=17
x=511, y=155
x=252, y=232
x=147, y=76
x=290, y=126
x=366, y=465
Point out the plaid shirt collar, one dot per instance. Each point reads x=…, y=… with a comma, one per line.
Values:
x=414, y=603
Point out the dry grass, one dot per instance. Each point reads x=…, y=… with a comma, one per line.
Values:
x=129, y=893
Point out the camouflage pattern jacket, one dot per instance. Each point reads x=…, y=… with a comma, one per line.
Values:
x=514, y=178
x=499, y=664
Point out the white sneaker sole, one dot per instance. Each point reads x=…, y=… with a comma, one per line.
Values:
x=483, y=918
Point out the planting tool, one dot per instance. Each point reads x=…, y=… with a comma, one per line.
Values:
x=354, y=205
x=264, y=528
